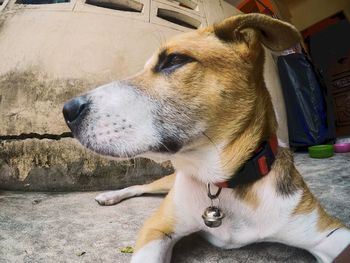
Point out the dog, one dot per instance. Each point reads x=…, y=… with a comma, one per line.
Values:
x=202, y=103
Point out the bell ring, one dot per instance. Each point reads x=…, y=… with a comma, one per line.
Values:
x=213, y=216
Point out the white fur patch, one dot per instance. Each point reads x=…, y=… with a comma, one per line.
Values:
x=156, y=251
x=243, y=224
x=332, y=246
x=204, y=163
x=114, y=197
x=120, y=121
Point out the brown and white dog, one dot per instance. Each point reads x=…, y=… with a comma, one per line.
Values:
x=201, y=102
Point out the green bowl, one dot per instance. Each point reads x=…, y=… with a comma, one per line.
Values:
x=321, y=151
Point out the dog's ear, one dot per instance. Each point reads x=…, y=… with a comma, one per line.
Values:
x=273, y=33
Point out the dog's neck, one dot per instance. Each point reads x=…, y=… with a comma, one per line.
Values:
x=218, y=162
x=261, y=127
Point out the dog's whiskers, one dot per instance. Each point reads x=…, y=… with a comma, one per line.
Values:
x=165, y=146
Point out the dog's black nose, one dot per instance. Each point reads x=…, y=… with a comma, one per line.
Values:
x=73, y=108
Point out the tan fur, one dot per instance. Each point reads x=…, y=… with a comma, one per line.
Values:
x=263, y=26
x=248, y=195
x=288, y=180
x=308, y=204
x=327, y=222
x=159, y=225
x=208, y=85
x=162, y=185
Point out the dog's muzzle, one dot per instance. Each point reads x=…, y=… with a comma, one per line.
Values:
x=121, y=121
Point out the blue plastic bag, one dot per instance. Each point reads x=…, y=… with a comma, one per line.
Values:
x=305, y=102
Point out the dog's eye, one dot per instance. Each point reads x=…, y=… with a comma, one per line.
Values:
x=176, y=59
x=171, y=62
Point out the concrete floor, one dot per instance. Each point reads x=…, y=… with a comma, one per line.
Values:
x=71, y=227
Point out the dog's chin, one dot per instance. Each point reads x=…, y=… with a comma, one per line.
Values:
x=158, y=157
x=104, y=150
x=110, y=153
x=160, y=152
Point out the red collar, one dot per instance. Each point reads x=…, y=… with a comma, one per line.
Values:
x=256, y=167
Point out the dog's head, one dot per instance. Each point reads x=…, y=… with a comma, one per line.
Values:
x=199, y=87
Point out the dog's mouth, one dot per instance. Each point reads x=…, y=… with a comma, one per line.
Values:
x=109, y=144
x=168, y=146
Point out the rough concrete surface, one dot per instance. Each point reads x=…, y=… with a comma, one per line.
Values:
x=71, y=227
x=56, y=165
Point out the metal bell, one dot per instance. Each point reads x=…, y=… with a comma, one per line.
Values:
x=213, y=216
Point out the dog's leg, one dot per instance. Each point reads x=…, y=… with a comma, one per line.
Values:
x=160, y=186
x=313, y=229
x=332, y=245
x=159, y=234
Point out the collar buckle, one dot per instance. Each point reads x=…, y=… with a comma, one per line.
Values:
x=256, y=167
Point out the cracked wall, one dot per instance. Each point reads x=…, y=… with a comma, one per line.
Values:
x=56, y=165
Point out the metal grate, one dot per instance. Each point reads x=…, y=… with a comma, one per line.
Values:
x=178, y=18
x=190, y=4
x=40, y=2
x=122, y=5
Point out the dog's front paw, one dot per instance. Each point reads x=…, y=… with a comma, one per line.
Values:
x=110, y=198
